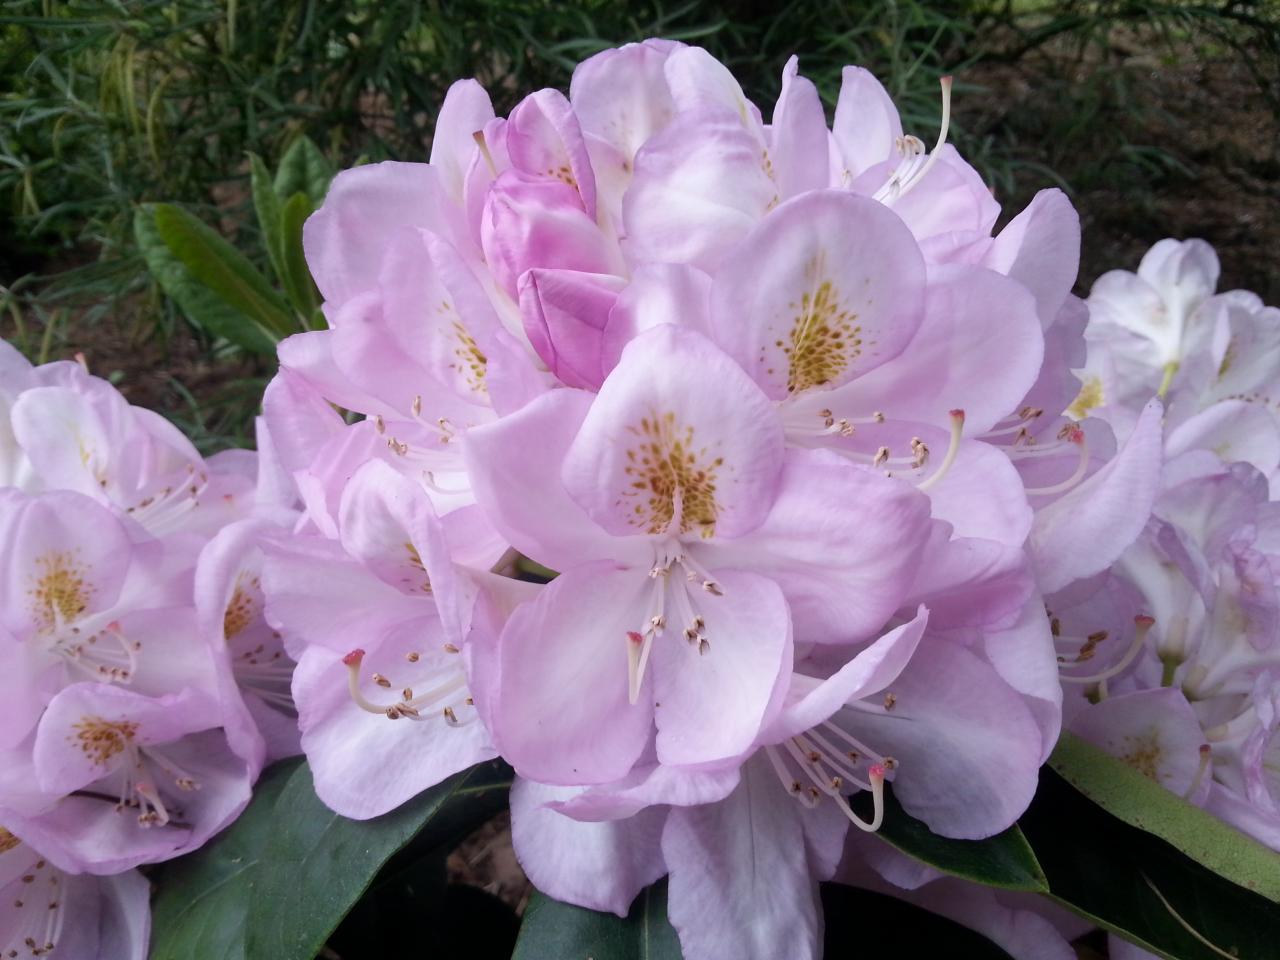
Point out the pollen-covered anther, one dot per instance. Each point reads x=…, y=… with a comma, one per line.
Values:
x=890, y=701
x=881, y=457
x=379, y=425
x=450, y=648
x=413, y=656
x=1142, y=626
x=381, y=681
x=450, y=717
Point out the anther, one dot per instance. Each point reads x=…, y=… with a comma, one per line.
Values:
x=448, y=648
x=1142, y=626
x=478, y=136
x=890, y=700
x=413, y=656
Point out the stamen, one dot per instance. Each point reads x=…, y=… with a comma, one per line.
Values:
x=1071, y=434
x=1142, y=626
x=1206, y=754
x=876, y=776
x=429, y=481
x=953, y=449
x=912, y=171
x=478, y=136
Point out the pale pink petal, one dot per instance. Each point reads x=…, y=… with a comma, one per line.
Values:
x=866, y=125
x=466, y=109
x=562, y=713
x=840, y=540
x=712, y=702
x=828, y=287
x=741, y=885
x=601, y=866
x=564, y=314
x=678, y=441
x=1086, y=530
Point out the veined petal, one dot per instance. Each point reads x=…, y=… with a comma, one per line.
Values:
x=712, y=701
x=698, y=186
x=947, y=364
x=826, y=288
x=1086, y=530
x=466, y=109
x=841, y=541
x=966, y=746
x=866, y=124
x=678, y=442
x=601, y=865
x=524, y=452
x=871, y=670
x=621, y=95
x=562, y=713
x=545, y=139
x=741, y=885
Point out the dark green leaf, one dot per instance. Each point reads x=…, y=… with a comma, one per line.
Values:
x=267, y=206
x=316, y=864
x=1137, y=885
x=201, y=305
x=558, y=931
x=222, y=268
x=1143, y=803
x=303, y=168
x=202, y=900
x=919, y=933
x=1005, y=860
x=294, y=273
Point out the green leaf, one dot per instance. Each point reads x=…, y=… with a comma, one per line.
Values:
x=201, y=305
x=316, y=864
x=222, y=268
x=1005, y=860
x=303, y=168
x=1143, y=803
x=202, y=900
x=294, y=273
x=559, y=931
x=1137, y=885
x=267, y=206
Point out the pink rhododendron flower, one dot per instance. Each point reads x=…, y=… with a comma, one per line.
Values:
x=378, y=621
x=674, y=516
x=46, y=912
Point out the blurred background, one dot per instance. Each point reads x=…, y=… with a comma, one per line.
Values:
x=1158, y=118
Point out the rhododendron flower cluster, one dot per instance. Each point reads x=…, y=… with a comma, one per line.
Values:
x=135, y=660
x=835, y=490
x=732, y=381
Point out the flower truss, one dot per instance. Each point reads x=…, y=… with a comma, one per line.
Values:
x=840, y=486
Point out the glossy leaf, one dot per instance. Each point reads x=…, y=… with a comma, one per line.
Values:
x=316, y=864
x=1143, y=803
x=202, y=900
x=1137, y=885
x=303, y=168
x=201, y=305
x=294, y=273
x=560, y=931
x=222, y=268
x=267, y=206
x=1005, y=860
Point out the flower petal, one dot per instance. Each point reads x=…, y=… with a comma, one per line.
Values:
x=679, y=442
x=1086, y=530
x=562, y=714
x=711, y=703
x=826, y=288
x=842, y=542
x=741, y=885
x=601, y=866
